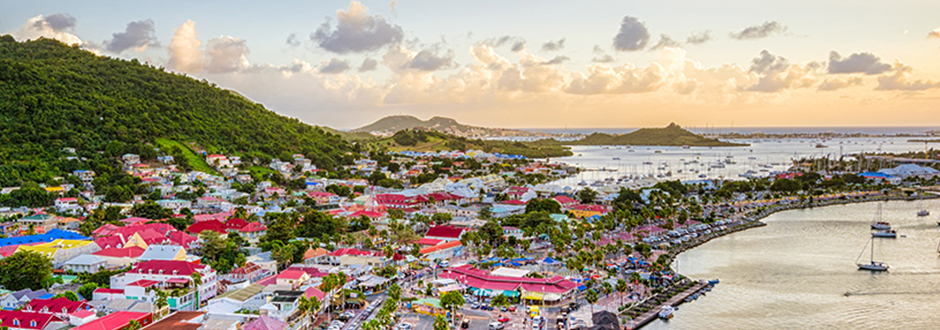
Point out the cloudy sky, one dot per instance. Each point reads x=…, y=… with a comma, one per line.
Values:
x=533, y=63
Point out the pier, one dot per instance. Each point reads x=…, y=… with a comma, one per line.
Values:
x=676, y=300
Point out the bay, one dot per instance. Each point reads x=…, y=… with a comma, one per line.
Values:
x=795, y=272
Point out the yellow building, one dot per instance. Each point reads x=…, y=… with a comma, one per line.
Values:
x=62, y=250
x=581, y=214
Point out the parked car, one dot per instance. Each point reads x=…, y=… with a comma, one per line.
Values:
x=512, y=308
x=503, y=319
x=496, y=326
x=503, y=309
x=475, y=305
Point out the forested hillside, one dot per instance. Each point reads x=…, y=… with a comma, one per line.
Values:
x=53, y=97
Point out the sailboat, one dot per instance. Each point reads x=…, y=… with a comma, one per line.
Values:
x=872, y=265
x=923, y=212
x=882, y=228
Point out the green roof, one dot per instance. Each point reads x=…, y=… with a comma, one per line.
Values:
x=436, y=303
x=242, y=294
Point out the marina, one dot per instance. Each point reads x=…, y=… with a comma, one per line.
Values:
x=795, y=272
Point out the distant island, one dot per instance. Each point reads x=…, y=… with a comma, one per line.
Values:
x=388, y=126
x=671, y=135
x=428, y=140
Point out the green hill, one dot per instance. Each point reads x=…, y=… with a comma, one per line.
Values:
x=402, y=122
x=671, y=135
x=425, y=140
x=54, y=97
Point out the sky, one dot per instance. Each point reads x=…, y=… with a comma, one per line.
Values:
x=533, y=64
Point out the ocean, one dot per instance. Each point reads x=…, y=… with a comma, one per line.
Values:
x=799, y=272
x=747, y=130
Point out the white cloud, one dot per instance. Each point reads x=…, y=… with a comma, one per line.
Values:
x=226, y=54
x=934, y=34
x=632, y=36
x=185, y=49
x=138, y=35
x=866, y=63
x=760, y=31
x=55, y=26
x=900, y=80
x=357, y=31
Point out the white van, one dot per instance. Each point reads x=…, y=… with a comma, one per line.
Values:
x=496, y=326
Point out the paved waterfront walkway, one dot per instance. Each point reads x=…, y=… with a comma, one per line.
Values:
x=676, y=300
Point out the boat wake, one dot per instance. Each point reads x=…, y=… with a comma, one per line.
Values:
x=848, y=294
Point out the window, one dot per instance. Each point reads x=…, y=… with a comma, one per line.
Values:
x=16, y=322
x=32, y=323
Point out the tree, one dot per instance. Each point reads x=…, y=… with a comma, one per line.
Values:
x=442, y=217
x=621, y=287
x=133, y=325
x=394, y=291
x=25, y=269
x=451, y=301
x=591, y=298
x=440, y=323
x=87, y=290
x=587, y=195
x=150, y=210
x=197, y=281
x=486, y=213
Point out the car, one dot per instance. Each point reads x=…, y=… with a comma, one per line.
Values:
x=475, y=305
x=496, y=326
x=465, y=323
x=405, y=326
x=503, y=319
x=503, y=309
x=512, y=308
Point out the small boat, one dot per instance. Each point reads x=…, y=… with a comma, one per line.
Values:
x=923, y=213
x=881, y=225
x=820, y=145
x=872, y=265
x=885, y=233
x=666, y=312
x=616, y=158
x=713, y=282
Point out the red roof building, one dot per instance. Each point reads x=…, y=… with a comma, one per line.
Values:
x=446, y=233
x=253, y=227
x=57, y=305
x=26, y=320
x=112, y=252
x=440, y=247
x=117, y=321
x=213, y=225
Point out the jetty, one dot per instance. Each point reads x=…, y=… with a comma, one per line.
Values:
x=676, y=300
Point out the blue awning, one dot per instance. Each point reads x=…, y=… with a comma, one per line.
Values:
x=549, y=260
x=582, y=288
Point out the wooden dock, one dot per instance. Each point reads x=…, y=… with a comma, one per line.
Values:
x=678, y=299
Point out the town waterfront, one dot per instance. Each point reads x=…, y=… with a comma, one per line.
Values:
x=799, y=272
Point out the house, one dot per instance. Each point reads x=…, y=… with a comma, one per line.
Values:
x=283, y=306
x=21, y=320
x=248, y=298
x=62, y=250
x=250, y=272
x=117, y=321
x=445, y=233
x=69, y=223
x=322, y=197
x=175, y=204
x=315, y=256
x=163, y=252
x=168, y=274
x=180, y=320
x=210, y=225
x=265, y=323
x=61, y=307
x=119, y=257
x=253, y=231
x=81, y=317
x=350, y=256
x=441, y=251
x=106, y=294
x=293, y=278
x=19, y=298
x=41, y=223
x=84, y=175
x=86, y=263
x=67, y=204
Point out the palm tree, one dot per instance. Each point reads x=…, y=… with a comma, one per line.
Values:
x=133, y=325
x=161, y=300
x=197, y=281
x=591, y=298
x=621, y=287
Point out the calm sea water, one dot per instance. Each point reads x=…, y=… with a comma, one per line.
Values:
x=677, y=161
x=794, y=273
x=748, y=130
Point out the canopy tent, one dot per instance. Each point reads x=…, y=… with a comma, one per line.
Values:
x=532, y=295
x=510, y=294
x=481, y=292
x=549, y=260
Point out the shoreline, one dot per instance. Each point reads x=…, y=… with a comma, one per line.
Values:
x=746, y=222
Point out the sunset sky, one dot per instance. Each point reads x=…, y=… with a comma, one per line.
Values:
x=533, y=63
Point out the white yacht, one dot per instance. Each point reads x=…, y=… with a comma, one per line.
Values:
x=873, y=265
x=666, y=312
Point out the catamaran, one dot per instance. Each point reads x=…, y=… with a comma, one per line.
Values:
x=872, y=265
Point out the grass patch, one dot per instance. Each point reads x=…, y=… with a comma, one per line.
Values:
x=196, y=161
